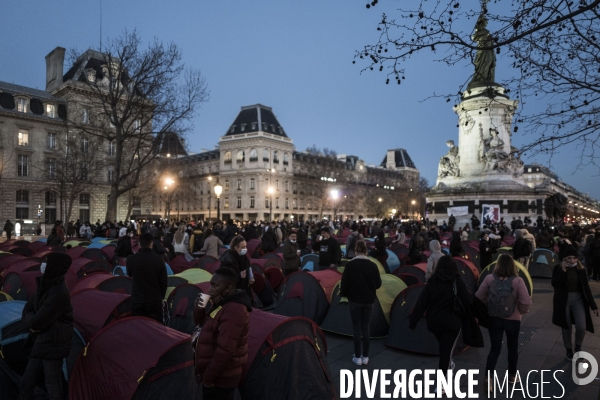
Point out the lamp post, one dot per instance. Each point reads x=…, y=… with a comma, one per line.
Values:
x=218, y=191
x=271, y=190
x=335, y=194
x=413, y=208
x=169, y=183
x=209, y=196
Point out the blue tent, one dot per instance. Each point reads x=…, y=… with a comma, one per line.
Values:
x=42, y=240
x=309, y=261
x=393, y=262
x=97, y=244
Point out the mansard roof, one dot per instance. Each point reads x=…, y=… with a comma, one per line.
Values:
x=401, y=158
x=256, y=118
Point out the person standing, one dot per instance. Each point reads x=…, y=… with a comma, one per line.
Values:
x=485, y=251
x=330, y=253
x=181, y=242
x=572, y=300
x=594, y=256
x=235, y=257
x=8, y=228
x=49, y=317
x=359, y=285
x=353, y=237
x=436, y=253
x=149, y=274
x=416, y=246
x=291, y=255
x=123, y=248
x=437, y=303
x=222, y=346
x=211, y=244
x=521, y=248
x=505, y=294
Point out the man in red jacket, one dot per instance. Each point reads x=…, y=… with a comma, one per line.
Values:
x=222, y=348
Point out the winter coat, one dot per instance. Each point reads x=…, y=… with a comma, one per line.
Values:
x=561, y=295
x=518, y=287
x=222, y=347
x=485, y=253
x=546, y=240
x=530, y=237
x=50, y=312
x=437, y=300
x=230, y=232
x=521, y=248
x=149, y=274
x=211, y=246
x=8, y=227
x=436, y=254
x=240, y=263
x=53, y=240
x=416, y=246
x=123, y=248
x=291, y=260
x=269, y=240
x=360, y=280
x=351, y=244
x=330, y=252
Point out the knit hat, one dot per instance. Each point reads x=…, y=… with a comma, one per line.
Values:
x=570, y=251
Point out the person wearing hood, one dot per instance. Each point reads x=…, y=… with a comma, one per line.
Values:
x=269, y=238
x=49, y=317
x=291, y=255
x=437, y=303
x=456, y=249
x=485, y=251
x=436, y=253
x=359, y=285
x=351, y=241
x=572, y=300
x=221, y=350
x=235, y=257
x=330, y=252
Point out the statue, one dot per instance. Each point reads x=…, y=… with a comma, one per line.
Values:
x=485, y=59
x=496, y=159
x=449, y=163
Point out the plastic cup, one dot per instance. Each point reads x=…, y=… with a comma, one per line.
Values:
x=205, y=297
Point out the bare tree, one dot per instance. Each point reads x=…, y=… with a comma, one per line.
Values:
x=138, y=97
x=553, y=46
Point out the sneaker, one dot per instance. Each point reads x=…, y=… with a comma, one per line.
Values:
x=357, y=360
x=365, y=360
x=569, y=354
x=514, y=379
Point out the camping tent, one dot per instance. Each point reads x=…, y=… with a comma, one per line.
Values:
x=338, y=317
x=181, y=306
x=468, y=272
x=146, y=366
x=286, y=359
x=412, y=274
x=105, y=282
x=393, y=262
x=309, y=262
x=523, y=273
x=20, y=285
x=106, y=307
x=471, y=249
x=307, y=294
x=543, y=263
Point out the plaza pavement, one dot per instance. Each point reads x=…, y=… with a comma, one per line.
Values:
x=544, y=351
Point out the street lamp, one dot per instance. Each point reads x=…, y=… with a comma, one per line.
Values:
x=209, y=196
x=271, y=190
x=335, y=194
x=393, y=212
x=169, y=182
x=413, y=208
x=218, y=191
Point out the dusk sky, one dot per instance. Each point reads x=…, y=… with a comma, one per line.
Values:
x=293, y=56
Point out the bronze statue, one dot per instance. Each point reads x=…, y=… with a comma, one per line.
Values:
x=485, y=59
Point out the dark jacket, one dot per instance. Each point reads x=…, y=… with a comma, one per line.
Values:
x=545, y=240
x=330, y=252
x=521, y=248
x=291, y=260
x=241, y=263
x=8, y=227
x=485, y=253
x=360, y=281
x=149, y=277
x=437, y=299
x=50, y=312
x=53, y=240
x=561, y=295
x=222, y=348
x=417, y=245
x=269, y=240
x=230, y=232
x=123, y=248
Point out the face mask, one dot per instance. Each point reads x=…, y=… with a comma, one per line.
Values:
x=292, y=241
x=43, y=268
x=243, y=252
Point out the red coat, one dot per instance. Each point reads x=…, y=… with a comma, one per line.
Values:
x=222, y=348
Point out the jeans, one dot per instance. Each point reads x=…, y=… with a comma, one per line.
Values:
x=52, y=370
x=447, y=341
x=360, y=314
x=217, y=393
x=496, y=330
x=576, y=308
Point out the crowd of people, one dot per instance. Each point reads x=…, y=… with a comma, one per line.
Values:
x=498, y=304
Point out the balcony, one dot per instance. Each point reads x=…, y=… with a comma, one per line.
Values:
x=253, y=159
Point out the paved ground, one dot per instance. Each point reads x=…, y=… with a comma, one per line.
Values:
x=544, y=351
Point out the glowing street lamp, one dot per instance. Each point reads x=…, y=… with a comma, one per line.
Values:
x=271, y=190
x=218, y=191
x=335, y=194
x=168, y=188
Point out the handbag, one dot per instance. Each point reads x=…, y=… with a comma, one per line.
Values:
x=459, y=308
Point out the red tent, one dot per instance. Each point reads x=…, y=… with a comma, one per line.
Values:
x=76, y=252
x=35, y=246
x=109, y=250
x=253, y=245
x=105, y=282
x=180, y=264
x=135, y=358
x=106, y=307
x=7, y=261
x=21, y=285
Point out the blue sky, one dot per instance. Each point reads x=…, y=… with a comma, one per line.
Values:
x=294, y=56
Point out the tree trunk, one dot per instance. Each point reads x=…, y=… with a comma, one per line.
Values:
x=111, y=209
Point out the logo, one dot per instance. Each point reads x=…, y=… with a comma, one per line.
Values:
x=584, y=364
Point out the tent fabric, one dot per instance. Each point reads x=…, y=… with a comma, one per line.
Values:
x=28, y=264
x=5, y=297
x=181, y=307
x=20, y=285
x=180, y=264
x=106, y=308
x=21, y=250
x=35, y=246
x=393, y=262
x=309, y=261
x=543, y=263
x=117, y=284
x=468, y=273
x=286, y=360
x=13, y=333
x=76, y=252
x=7, y=261
x=523, y=273
x=253, y=246
x=195, y=275
x=472, y=252
x=203, y=261
x=109, y=251
x=380, y=267
x=94, y=254
x=131, y=348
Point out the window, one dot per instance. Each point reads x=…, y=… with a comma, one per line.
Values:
x=287, y=186
x=239, y=184
x=226, y=205
x=22, y=197
x=280, y=130
x=23, y=137
x=85, y=116
x=84, y=171
x=201, y=203
x=265, y=126
x=22, y=209
x=23, y=165
x=265, y=155
x=84, y=199
x=232, y=129
x=51, y=110
x=84, y=207
x=252, y=201
x=137, y=125
x=51, y=166
x=252, y=182
x=239, y=202
x=287, y=203
x=254, y=126
x=277, y=185
x=240, y=156
x=52, y=141
x=50, y=209
x=267, y=202
x=91, y=75
x=22, y=105
x=111, y=174
x=275, y=157
x=285, y=159
x=253, y=155
x=226, y=184
x=227, y=158
x=294, y=188
x=276, y=202
x=85, y=145
x=112, y=148
x=295, y=203
x=242, y=127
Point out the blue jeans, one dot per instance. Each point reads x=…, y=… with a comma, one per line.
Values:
x=360, y=314
x=496, y=330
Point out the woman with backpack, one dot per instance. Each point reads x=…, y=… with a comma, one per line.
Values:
x=507, y=299
x=572, y=300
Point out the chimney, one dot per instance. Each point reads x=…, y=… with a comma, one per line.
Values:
x=55, y=61
x=391, y=159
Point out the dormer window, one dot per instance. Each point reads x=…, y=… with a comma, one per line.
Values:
x=265, y=126
x=243, y=127
x=51, y=110
x=280, y=130
x=91, y=75
x=272, y=127
x=232, y=129
x=254, y=126
x=22, y=105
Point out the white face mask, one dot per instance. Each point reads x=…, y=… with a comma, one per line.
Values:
x=243, y=252
x=292, y=241
x=43, y=268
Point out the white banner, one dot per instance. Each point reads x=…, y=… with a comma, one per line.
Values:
x=458, y=211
